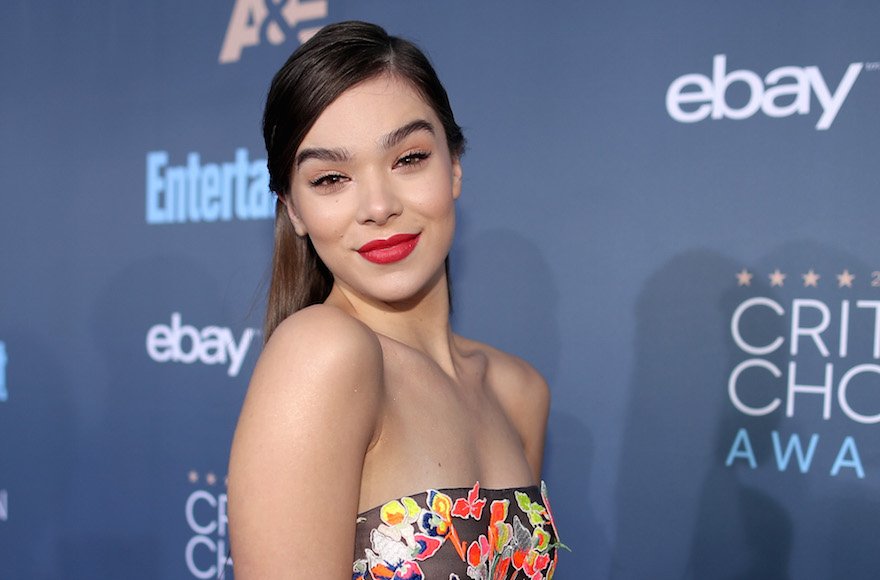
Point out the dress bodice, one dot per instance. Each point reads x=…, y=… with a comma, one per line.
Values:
x=457, y=534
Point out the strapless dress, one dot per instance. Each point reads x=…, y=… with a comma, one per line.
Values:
x=456, y=534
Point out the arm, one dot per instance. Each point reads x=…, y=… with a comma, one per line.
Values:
x=295, y=469
x=525, y=397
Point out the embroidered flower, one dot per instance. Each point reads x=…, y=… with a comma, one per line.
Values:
x=394, y=569
x=359, y=570
x=436, y=521
x=387, y=555
x=540, y=539
x=470, y=507
x=534, y=510
x=409, y=571
x=405, y=571
x=534, y=563
x=503, y=546
x=500, y=568
x=521, y=543
x=398, y=518
x=426, y=546
x=546, y=501
x=500, y=531
x=478, y=554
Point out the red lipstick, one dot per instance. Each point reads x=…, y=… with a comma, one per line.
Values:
x=393, y=249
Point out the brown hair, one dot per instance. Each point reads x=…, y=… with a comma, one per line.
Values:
x=338, y=57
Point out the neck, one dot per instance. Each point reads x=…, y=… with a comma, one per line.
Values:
x=422, y=322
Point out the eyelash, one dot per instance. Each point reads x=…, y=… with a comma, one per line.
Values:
x=332, y=180
x=329, y=180
x=412, y=159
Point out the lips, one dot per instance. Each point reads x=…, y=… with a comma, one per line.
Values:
x=393, y=249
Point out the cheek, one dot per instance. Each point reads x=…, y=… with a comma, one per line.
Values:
x=437, y=199
x=325, y=220
x=438, y=207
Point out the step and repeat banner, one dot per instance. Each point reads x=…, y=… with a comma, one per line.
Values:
x=670, y=209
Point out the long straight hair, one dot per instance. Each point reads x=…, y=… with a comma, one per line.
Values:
x=337, y=58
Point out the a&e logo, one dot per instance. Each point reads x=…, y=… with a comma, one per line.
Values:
x=254, y=20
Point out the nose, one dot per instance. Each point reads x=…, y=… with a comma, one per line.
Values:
x=378, y=201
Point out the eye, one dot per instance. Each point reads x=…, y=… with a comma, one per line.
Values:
x=412, y=159
x=328, y=181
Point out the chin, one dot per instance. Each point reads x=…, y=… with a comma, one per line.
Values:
x=409, y=293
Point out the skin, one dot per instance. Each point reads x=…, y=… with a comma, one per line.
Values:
x=371, y=396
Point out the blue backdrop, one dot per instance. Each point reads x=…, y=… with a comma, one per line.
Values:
x=670, y=209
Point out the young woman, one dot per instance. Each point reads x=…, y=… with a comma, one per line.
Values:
x=374, y=442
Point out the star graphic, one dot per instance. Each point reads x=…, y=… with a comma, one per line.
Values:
x=845, y=279
x=744, y=278
x=776, y=278
x=211, y=479
x=193, y=476
x=811, y=279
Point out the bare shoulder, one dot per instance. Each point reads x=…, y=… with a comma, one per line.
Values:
x=319, y=363
x=509, y=376
x=321, y=334
x=523, y=395
x=310, y=414
x=318, y=356
x=320, y=366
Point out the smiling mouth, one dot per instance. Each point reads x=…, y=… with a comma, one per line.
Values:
x=393, y=249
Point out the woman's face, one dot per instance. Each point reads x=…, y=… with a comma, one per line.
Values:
x=373, y=185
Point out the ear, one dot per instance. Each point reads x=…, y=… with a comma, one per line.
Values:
x=456, y=177
x=298, y=226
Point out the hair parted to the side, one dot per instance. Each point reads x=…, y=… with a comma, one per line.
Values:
x=335, y=59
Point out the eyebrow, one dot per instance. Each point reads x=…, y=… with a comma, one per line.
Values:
x=322, y=154
x=395, y=137
x=390, y=140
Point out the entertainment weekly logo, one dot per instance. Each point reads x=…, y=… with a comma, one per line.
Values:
x=207, y=552
x=207, y=192
x=809, y=358
x=211, y=345
x=254, y=21
x=783, y=92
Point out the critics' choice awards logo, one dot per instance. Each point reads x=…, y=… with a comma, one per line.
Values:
x=212, y=345
x=252, y=21
x=783, y=92
x=206, y=553
x=209, y=192
x=818, y=361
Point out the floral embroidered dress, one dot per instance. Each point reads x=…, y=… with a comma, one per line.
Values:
x=456, y=534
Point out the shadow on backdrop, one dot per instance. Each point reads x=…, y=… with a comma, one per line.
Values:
x=680, y=512
x=505, y=294
x=39, y=489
